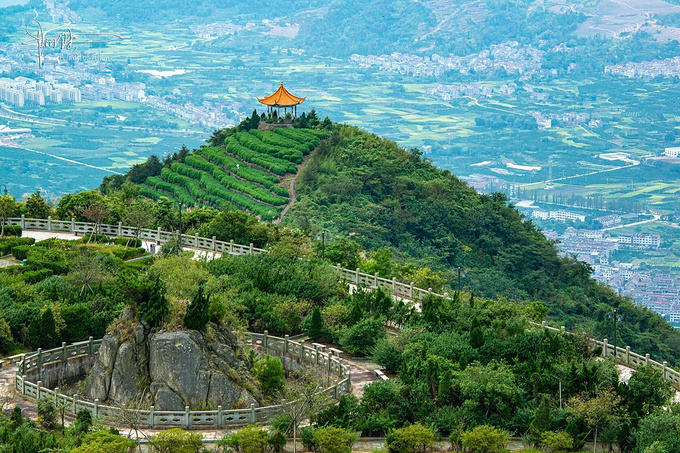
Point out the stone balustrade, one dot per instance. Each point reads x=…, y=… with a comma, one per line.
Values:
x=32, y=364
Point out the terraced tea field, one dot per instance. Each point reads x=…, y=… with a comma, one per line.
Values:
x=246, y=171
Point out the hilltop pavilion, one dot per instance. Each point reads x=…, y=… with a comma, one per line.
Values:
x=282, y=99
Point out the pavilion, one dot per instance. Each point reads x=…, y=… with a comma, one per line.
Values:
x=281, y=99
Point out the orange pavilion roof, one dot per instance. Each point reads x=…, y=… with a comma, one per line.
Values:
x=281, y=98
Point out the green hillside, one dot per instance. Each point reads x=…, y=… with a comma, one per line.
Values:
x=362, y=186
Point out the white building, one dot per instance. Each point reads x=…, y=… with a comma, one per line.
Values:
x=672, y=152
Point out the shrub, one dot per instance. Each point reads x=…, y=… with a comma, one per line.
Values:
x=484, y=439
x=47, y=414
x=13, y=230
x=410, y=439
x=557, y=442
x=153, y=305
x=334, y=440
x=7, y=244
x=105, y=442
x=307, y=438
x=32, y=277
x=251, y=439
x=361, y=337
x=387, y=355
x=198, y=312
x=269, y=372
x=20, y=252
x=83, y=421
x=176, y=441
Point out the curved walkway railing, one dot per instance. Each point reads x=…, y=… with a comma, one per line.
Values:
x=31, y=364
x=402, y=290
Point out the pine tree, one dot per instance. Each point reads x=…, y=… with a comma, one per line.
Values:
x=153, y=306
x=48, y=329
x=197, y=315
x=541, y=422
x=477, y=338
x=315, y=331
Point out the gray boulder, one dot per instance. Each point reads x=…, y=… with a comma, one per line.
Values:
x=171, y=370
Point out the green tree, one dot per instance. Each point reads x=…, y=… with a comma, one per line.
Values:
x=541, y=422
x=269, y=372
x=83, y=421
x=152, y=306
x=47, y=414
x=7, y=207
x=345, y=252
x=661, y=428
x=315, y=330
x=361, y=337
x=37, y=207
x=484, y=439
x=598, y=412
x=48, y=329
x=410, y=439
x=198, y=312
x=646, y=391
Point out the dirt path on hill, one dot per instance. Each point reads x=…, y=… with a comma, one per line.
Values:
x=291, y=187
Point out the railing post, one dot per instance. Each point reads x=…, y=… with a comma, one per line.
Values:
x=219, y=417
x=356, y=278
x=285, y=343
x=253, y=414
x=563, y=329
x=187, y=418
x=196, y=240
x=543, y=325
x=23, y=222
x=214, y=243
x=152, y=415
x=63, y=351
x=604, y=348
x=39, y=360
x=231, y=246
x=23, y=384
x=330, y=361
x=664, y=370
x=49, y=223
x=23, y=364
x=96, y=408
x=75, y=403
x=410, y=291
x=335, y=391
x=73, y=224
x=90, y=346
x=394, y=285
x=302, y=349
x=375, y=279
x=627, y=355
x=251, y=248
x=646, y=359
x=316, y=349
x=158, y=234
x=265, y=339
x=38, y=392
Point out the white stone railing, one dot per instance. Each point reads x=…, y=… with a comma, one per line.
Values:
x=33, y=363
x=402, y=290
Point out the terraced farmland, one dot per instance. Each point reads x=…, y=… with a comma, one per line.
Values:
x=245, y=172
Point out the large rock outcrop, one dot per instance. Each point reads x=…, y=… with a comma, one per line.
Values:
x=171, y=370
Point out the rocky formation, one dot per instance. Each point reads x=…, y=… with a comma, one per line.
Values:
x=171, y=370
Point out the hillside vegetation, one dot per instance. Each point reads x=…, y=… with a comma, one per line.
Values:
x=360, y=186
